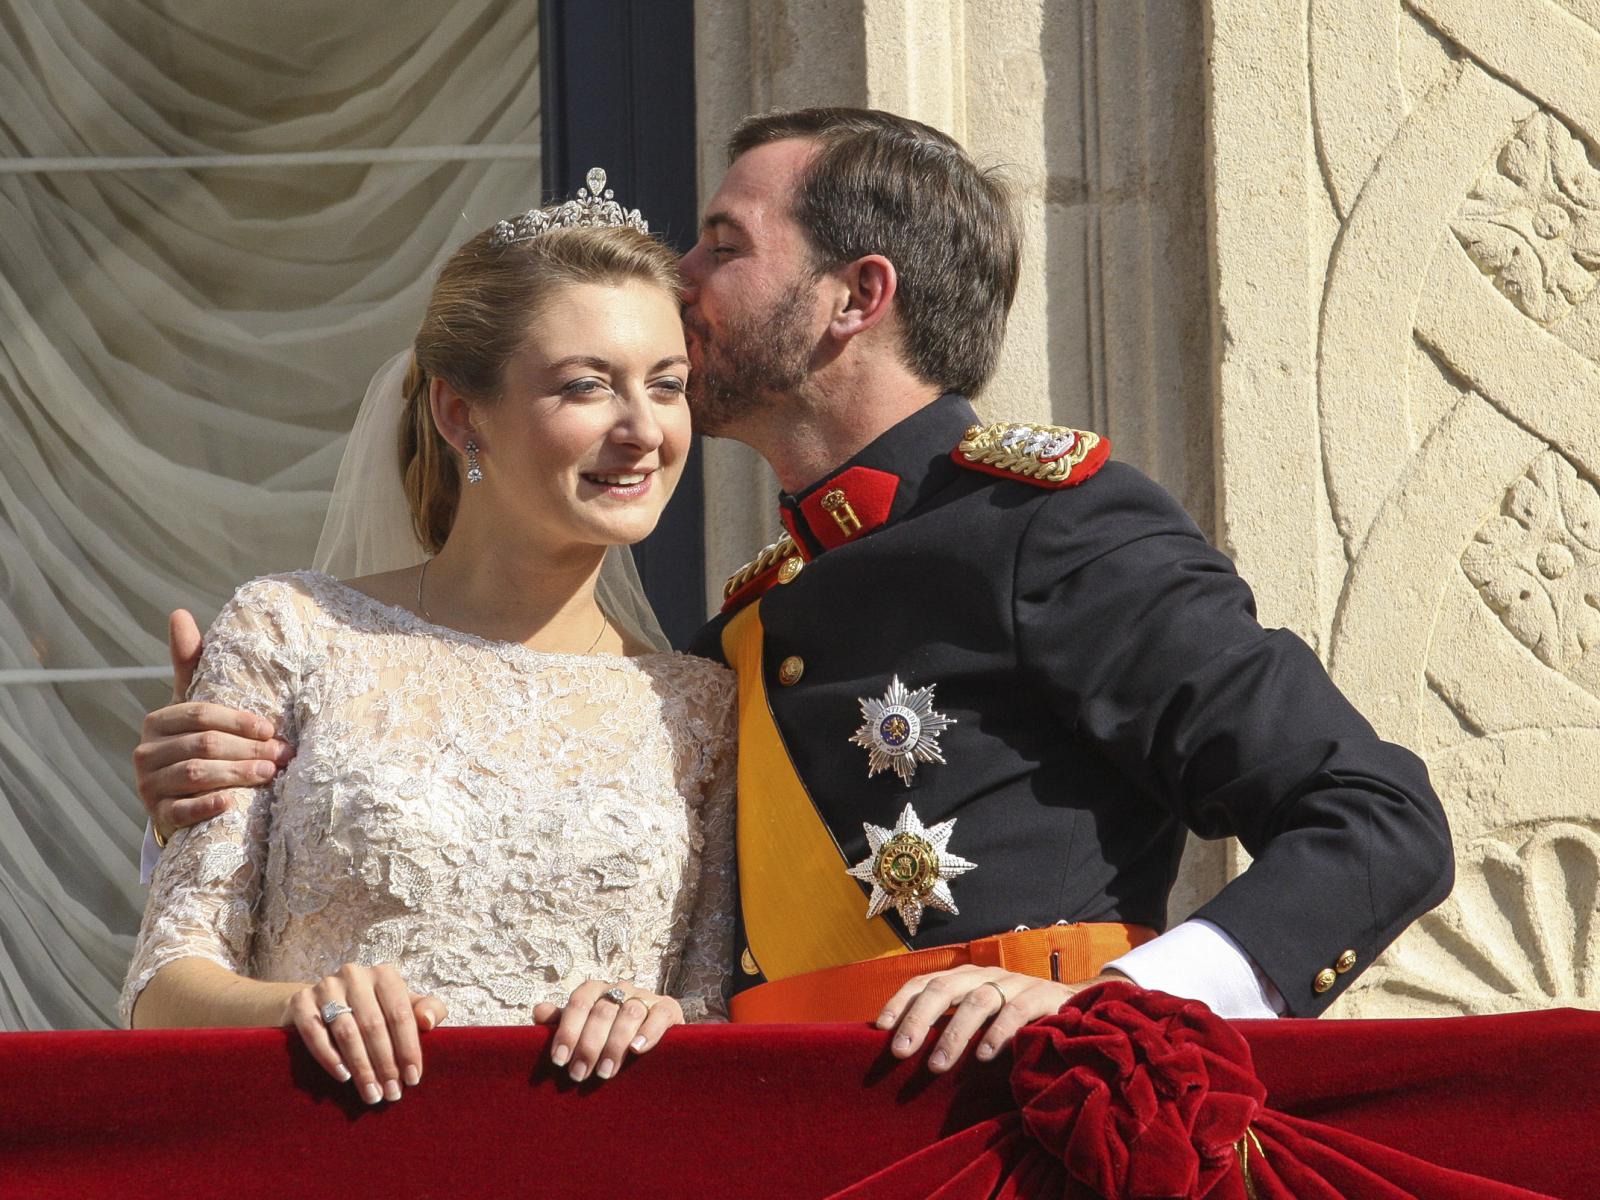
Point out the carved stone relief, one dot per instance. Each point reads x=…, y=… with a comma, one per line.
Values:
x=1452, y=230
x=1518, y=932
x=1537, y=566
x=1533, y=222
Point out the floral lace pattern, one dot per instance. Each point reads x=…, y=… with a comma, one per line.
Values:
x=495, y=822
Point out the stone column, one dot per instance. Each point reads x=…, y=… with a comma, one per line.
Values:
x=1406, y=329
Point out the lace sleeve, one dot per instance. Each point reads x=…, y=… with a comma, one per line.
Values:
x=707, y=961
x=204, y=889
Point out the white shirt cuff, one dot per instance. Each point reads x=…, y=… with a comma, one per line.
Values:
x=1199, y=961
x=149, y=856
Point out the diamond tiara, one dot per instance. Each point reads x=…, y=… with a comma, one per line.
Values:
x=593, y=208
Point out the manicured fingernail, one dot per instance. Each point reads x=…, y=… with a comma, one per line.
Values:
x=579, y=1073
x=903, y=1042
x=283, y=753
x=885, y=1019
x=985, y=1052
x=391, y=1090
x=371, y=1093
x=426, y=1022
x=342, y=1072
x=607, y=1067
x=638, y=1043
x=560, y=1055
x=413, y=1076
x=939, y=1059
x=264, y=770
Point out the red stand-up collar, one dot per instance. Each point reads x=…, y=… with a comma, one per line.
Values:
x=888, y=478
x=848, y=506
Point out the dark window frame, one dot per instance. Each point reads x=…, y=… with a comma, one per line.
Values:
x=617, y=81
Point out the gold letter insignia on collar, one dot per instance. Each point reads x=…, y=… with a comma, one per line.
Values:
x=837, y=505
x=1050, y=456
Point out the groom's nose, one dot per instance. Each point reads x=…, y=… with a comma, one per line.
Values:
x=689, y=267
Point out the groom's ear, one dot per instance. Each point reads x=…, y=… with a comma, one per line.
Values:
x=867, y=296
x=452, y=414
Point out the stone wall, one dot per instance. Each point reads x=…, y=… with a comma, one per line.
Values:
x=1407, y=237
x=1327, y=271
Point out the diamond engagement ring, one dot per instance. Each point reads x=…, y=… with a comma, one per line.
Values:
x=333, y=1010
x=616, y=995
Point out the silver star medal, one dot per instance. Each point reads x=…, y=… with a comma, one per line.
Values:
x=909, y=867
x=900, y=730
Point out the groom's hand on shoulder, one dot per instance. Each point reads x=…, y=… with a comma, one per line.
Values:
x=190, y=752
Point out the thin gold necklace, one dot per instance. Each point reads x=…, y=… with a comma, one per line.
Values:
x=428, y=616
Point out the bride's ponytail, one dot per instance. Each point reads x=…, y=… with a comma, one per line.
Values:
x=428, y=469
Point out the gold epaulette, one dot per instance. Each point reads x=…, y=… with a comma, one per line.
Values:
x=1051, y=456
x=744, y=579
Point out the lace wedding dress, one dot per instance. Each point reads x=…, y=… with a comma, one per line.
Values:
x=496, y=822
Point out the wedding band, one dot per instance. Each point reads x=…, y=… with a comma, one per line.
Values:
x=333, y=1010
x=996, y=987
x=616, y=995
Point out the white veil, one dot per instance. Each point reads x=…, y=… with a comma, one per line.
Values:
x=368, y=526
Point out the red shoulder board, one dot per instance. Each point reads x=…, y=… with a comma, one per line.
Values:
x=757, y=575
x=1048, y=456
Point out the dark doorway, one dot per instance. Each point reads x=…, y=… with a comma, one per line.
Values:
x=618, y=83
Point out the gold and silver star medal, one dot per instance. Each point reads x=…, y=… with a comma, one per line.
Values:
x=909, y=867
x=900, y=730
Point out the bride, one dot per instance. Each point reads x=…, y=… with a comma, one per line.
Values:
x=501, y=788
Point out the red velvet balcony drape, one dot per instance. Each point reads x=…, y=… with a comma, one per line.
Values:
x=785, y=1111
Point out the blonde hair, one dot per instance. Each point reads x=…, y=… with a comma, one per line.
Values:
x=484, y=300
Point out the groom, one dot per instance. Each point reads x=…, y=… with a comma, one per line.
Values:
x=988, y=678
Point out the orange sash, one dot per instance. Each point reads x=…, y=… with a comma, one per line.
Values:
x=802, y=912
x=858, y=991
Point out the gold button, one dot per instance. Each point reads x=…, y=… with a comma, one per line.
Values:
x=747, y=964
x=791, y=568
x=1346, y=961
x=1324, y=981
x=790, y=670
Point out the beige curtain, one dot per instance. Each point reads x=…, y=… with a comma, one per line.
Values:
x=217, y=218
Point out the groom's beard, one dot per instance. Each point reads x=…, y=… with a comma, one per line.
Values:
x=751, y=365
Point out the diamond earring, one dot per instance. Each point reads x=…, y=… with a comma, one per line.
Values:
x=474, y=471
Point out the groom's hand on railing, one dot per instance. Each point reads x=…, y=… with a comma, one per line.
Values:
x=1003, y=1000
x=190, y=752
x=601, y=1022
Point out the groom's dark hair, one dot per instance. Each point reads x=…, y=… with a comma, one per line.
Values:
x=885, y=184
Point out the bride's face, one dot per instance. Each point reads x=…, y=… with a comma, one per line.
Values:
x=592, y=428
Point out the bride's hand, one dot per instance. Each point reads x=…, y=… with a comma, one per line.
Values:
x=373, y=1043
x=593, y=1028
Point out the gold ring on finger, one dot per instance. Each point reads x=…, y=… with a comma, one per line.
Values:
x=998, y=992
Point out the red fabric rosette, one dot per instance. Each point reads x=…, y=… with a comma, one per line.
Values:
x=1127, y=1094
x=1139, y=1094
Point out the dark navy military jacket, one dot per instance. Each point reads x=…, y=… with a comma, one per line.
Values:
x=1111, y=688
